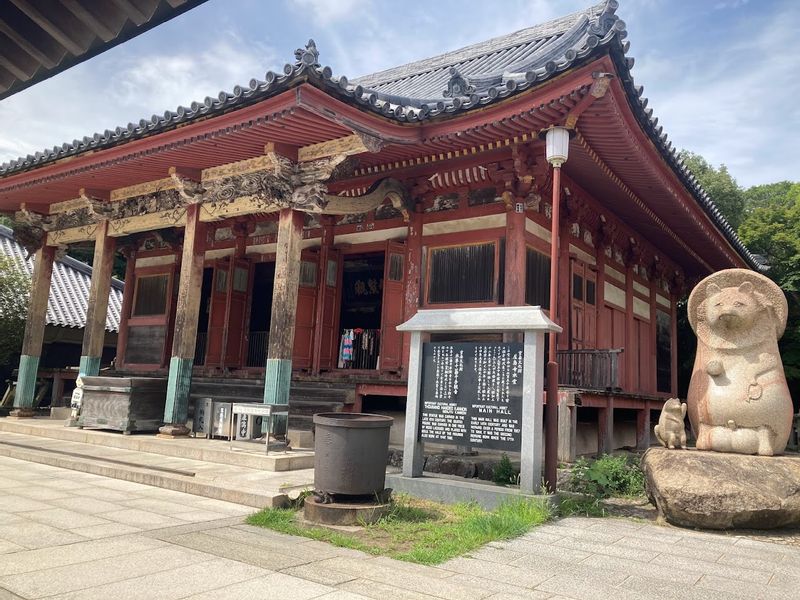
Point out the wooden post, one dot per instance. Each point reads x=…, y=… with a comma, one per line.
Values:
x=127, y=301
x=514, y=293
x=551, y=409
x=185, y=331
x=322, y=281
x=278, y=375
x=643, y=426
x=34, y=333
x=413, y=274
x=605, y=428
x=95, y=332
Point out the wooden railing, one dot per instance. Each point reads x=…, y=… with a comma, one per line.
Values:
x=257, y=344
x=589, y=369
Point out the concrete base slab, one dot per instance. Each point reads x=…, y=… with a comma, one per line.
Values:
x=340, y=513
x=60, y=413
x=453, y=490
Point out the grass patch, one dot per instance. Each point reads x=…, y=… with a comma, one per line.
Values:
x=608, y=476
x=419, y=531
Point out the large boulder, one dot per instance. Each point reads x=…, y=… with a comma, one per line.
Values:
x=712, y=490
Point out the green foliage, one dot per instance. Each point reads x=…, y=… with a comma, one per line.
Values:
x=85, y=254
x=607, y=476
x=505, y=473
x=14, y=295
x=582, y=506
x=420, y=531
x=719, y=184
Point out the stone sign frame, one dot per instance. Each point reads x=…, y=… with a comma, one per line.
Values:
x=533, y=323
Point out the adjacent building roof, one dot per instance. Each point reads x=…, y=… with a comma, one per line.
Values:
x=41, y=38
x=441, y=86
x=69, y=287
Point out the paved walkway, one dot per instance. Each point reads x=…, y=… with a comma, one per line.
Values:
x=67, y=534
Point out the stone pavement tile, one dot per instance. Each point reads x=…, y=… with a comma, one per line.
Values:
x=175, y=583
x=542, y=564
x=652, y=532
x=37, y=535
x=121, y=485
x=669, y=572
x=33, y=560
x=262, y=531
x=51, y=581
x=6, y=518
x=157, y=505
x=595, y=534
x=199, y=516
x=37, y=492
x=63, y=518
x=7, y=484
x=382, y=591
x=272, y=544
x=82, y=504
x=8, y=547
x=223, y=507
x=768, y=547
x=668, y=549
x=492, y=554
x=744, y=589
x=275, y=586
x=6, y=595
x=774, y=565
x=102, y=493
x=526, y=595
x=574, y=587
x=410, y=568
x=341, y=595
x=253, y=555
x=548, y=550
x=320, y=549
x=313, y=572
x=661, y=590
x=142, y=519
x=15, y=504
x=782, y=580
x=369, y=569
x=608, y=549
x=516, y=576
x=705, y=567
x=499, y=588
x=106, y=530
x=168, y=532
x=537, y=535
x=60, y=483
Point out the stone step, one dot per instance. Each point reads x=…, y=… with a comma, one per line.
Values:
x=213, y=451
x=249, y=487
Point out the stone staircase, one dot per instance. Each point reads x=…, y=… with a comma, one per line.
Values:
x=306, y=398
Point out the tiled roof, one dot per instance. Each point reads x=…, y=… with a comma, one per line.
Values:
x=69, y=287
x=451, y=83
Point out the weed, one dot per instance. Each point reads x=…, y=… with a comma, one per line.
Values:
x=505, y=473
x=607, y=476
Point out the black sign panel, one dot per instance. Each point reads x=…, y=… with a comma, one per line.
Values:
x=471, y=394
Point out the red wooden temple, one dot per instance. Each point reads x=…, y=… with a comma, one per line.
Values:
x=277, y=234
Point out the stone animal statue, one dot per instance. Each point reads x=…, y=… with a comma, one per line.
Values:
x=738, y=398
x=670, y=430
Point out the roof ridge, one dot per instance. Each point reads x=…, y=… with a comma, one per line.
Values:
x=465, y=53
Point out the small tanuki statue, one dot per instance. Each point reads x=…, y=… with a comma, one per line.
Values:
x=738, y=398
x=670, y=430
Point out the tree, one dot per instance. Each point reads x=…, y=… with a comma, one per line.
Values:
x=14, y=296
x=720, y=186
x=766, y=194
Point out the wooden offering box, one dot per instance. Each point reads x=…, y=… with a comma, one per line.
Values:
x=123, y=404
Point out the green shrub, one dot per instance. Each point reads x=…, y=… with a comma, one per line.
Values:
x=607, y=476
x=504, y=473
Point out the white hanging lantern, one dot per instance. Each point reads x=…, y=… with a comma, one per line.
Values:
x=557, y=145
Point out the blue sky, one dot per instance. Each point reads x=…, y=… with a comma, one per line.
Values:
x=723, y=76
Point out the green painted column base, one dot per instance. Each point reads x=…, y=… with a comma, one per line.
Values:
x=277, y=381
x=89, y=366
x=180, y=380
x=26, y=381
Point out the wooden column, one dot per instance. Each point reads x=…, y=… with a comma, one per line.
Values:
x=95, y=332
x=185, y=331
x=643, y=426
x=278, y=375
x=34, y=333
x=129, y=253
x=514, y=293
x=413, y=274
x=673, y=344
x=605, y=428
x=322, y=281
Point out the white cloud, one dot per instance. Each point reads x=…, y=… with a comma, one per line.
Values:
x=330, y=11
x=100, y=95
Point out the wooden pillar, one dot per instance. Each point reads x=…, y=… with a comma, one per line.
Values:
x=643, y=426
x=127, y=302
x=631, y=354
x=514, y=293
x=34, y=332
x=278, y=375
x=605, y=428
x=673, y=344
x=413, y=274
x=185, y=331
x=95, y=332
x=326, y=243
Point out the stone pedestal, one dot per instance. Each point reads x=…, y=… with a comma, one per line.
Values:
x=713, y=490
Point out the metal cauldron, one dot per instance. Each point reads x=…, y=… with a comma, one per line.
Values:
x=350, y=453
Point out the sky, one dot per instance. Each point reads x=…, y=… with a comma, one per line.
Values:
x=723, y=76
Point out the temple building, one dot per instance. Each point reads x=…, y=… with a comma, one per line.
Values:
x=278, y=233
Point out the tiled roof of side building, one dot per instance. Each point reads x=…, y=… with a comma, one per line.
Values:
x=448, y=84
x=69, y=286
